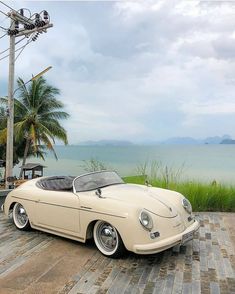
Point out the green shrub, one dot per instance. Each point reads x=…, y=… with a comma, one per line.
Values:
x=203, y=196
x=92, y=165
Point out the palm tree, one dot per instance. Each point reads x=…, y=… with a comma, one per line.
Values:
x=37, y=113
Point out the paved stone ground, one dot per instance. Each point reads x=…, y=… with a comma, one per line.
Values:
x=34, y=262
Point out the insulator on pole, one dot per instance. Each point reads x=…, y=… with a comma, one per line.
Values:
x=29, y=26
x=42, y=24
x=37, y=20
x=35, y=36
x=16, y=24
x=45, y=15
x=37, y=23
x=12, y=32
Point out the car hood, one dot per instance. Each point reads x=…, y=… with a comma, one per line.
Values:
x=152, y=199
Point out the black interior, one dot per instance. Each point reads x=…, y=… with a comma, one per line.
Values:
x=57, y=183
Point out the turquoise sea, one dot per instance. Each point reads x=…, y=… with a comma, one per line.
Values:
x=201, y=162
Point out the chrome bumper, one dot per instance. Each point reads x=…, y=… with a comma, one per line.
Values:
x=168, y=242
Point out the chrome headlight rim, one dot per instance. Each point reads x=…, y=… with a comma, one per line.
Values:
x=143, y=217
x=187, y=205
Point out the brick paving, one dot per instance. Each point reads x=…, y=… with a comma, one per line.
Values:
x=35, y=262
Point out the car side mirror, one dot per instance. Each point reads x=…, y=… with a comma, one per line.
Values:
x=98, y=192
x=147, y=183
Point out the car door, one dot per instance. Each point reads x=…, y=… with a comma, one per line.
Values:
x=58, y=211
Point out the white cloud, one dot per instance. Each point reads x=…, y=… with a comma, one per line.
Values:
x=132, y=70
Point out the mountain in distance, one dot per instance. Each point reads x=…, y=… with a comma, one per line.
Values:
x=225, y=139
x=106, y=143
x=193, y=141
x=216, y=139
x=181, y=141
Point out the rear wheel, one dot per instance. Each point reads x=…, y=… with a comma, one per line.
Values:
x=20, y=217
x=108, y=240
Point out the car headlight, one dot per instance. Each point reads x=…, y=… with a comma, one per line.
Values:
x=146, y=220
x=187, y=205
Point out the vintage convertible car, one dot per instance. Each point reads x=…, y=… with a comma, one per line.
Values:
x=100, y=205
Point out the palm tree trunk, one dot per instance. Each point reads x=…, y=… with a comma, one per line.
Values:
x=26, y=150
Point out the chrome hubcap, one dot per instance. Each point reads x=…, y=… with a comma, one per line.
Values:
x=21, y=215
x=107, y=236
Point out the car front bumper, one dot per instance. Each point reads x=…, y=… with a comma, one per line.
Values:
x=164, y=244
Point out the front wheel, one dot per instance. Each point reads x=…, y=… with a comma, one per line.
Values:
x=108, y=240
x=20, y=217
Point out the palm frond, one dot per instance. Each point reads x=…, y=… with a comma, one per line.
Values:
x=49, y=145
x=3, y=136
x=20, y=130
x=55, y=115
x=37, y=116
x=4, y=101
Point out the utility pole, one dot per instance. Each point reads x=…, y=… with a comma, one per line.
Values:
x=10, y=112
x=29, y=28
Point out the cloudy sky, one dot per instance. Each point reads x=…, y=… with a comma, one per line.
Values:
x=138, y=70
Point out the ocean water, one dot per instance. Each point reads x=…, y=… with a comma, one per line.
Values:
x=201, y=162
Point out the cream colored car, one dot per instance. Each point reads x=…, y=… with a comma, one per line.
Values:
x=100, y=205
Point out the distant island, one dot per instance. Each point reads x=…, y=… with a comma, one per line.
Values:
x=106, y=143
x=192, y=141
x=225, y=139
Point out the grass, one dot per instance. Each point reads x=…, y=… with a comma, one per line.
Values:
x=203, y=196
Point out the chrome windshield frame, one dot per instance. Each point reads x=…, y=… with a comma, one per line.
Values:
x=95, y=172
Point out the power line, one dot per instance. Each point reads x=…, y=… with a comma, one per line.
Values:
x=23, y=49
x=8, y=16
x=15, y=44
x=4, y=57
x=3, y=35
x=28, y=11
x=6, y=29
x=7, y=5
x=16, y=49
x=20, y=40
x=12, y=9
x=3, y=28
x=3, y=19
x=34, y=21
x=25, y=18
x=4, y=13
x=4, y=51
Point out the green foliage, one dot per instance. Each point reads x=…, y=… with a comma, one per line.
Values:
x=203, y=196
x=153, y=170
x=92, y=165
x=37, y=113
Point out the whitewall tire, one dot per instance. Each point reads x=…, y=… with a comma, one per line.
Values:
x=108, y=240
x=20, y=217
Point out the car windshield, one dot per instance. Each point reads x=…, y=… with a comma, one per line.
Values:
x=96, y=180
